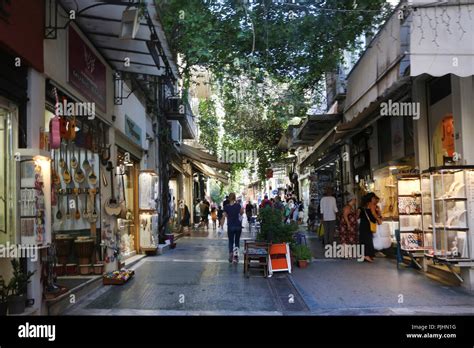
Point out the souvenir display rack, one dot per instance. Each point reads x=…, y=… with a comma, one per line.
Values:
x=452, y=205
x=410, y=215
x=78, y=148
x=34, y=179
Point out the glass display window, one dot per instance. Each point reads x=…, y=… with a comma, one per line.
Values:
x=127, y=194
x=148, y=190
x=452, y=196
x=8, y=177
x=148, y=194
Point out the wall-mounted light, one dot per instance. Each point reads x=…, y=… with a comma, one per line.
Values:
x=130, y=24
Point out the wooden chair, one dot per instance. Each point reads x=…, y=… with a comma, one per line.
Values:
x=256, y=256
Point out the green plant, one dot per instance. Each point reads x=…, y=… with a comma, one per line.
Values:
x=20, y=280
x=302, y=252
x=272, y=227
x=4, y=290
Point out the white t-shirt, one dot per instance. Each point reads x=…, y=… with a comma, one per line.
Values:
x=329, y=208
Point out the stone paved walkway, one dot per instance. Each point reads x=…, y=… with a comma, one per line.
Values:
x=196, y=279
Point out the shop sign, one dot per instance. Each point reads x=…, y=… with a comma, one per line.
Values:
x=86, y=72
x=133, y=131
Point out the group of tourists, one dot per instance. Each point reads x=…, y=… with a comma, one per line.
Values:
x=292, y=209
x=356, y=225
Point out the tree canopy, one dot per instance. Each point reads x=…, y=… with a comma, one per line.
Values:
x=267, y=58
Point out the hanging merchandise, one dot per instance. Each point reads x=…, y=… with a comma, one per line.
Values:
x=112, y=206
x=76, y=214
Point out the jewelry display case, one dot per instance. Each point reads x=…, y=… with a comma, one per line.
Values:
x=452, y=204
x=410, y=213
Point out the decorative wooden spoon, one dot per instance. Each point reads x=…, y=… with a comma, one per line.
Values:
x=79, y=174
x=66, y=174
x=86, y=165
x=74, y=162
x=59, y=214
x=92, y=177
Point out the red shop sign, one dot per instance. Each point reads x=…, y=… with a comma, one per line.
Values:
x=86, y=72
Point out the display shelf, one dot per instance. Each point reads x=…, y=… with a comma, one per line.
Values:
x=450, y=228
x=451, y=199
x=410, y=215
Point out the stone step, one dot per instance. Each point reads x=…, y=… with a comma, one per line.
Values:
x=63, y=302
x=443, y=274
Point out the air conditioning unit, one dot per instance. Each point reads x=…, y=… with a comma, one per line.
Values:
x=176, y=131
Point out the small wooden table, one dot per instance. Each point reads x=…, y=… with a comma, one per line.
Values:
x=256, y=257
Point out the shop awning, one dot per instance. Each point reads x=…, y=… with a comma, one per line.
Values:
x=101, y=23
x=210, y=172
x=315, y=127
x=201, y=156
x=360, y=121
x=327, y=142
x=444, y=47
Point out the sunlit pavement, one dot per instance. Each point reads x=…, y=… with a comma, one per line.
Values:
x=197, y=279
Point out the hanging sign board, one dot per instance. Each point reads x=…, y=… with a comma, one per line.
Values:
x=86, y=71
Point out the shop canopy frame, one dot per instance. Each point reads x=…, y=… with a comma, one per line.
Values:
x=204, y=162
x=148, y=53
x=315, y=127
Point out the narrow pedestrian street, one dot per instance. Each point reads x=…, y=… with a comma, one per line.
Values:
x=197, y=279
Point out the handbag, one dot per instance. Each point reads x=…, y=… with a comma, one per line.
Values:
x=321, y=230
x=373, y=225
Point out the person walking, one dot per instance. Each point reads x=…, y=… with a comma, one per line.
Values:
x=248, y=212
x=328, y=211
x=349, y=229
x=226, y=201
x=233, y=212
x=205, y=213
x=214, y=218
x=197, y=212
x=265, y=203
x=365, y=232
x=184, y=216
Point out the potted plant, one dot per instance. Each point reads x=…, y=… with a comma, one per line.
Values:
x=302, y=255
x=18, y=287
x=3, y=297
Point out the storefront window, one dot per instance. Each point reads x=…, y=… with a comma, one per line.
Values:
x=127, y=191
x=7, y=176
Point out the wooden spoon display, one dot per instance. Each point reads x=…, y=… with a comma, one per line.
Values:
x=85, y=213
x=66, y=174
x=79, y=174
x=92, y=177
x=68, y=213
x=94, y=216
x=62, y=163
x=77, y=214
x=59, y=214
x=74, y=162
x=86, y=165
